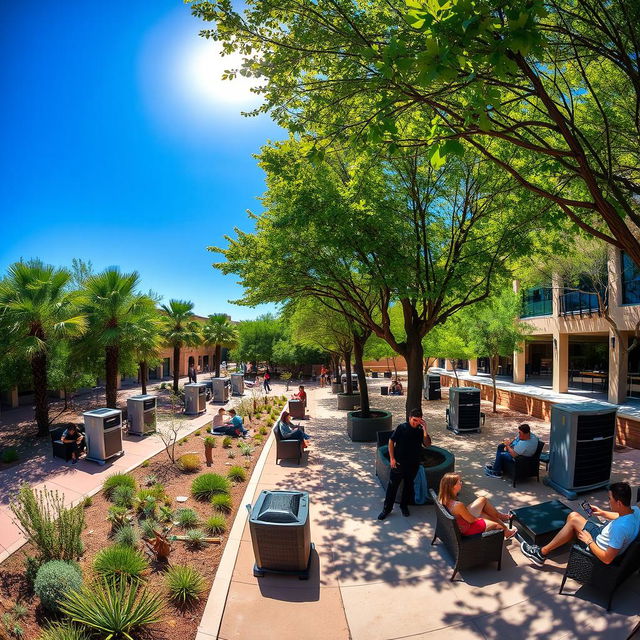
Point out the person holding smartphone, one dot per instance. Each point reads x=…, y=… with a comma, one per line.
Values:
x=405, y=448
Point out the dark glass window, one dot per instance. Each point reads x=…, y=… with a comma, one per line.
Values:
x=630, y=281
x=537, y=301
x=581, y=301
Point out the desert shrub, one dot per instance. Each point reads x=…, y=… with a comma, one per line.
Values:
x=216, y=524
x=119, y=561
x=87, y=502
x=186, y=518
x=123, y=496
x=246, y=450
x=150, y=480
x=145, y=464
x=165, y=513
x=195, y=539
x=52, y=528
x=209, y=484
x=198, y=432
x=127, y=536
x=118, y=480
x=210, y=441
x=11, y=625
x=258, y=439
x=53, y=580
x=63, y=631
x=236, y=474
x=231, y=454
x=118, y=517
x=189, y=463
x=147, y=508
x=226, y=442
x=149, y=527
x=222, y=502
x=112, y=609
x=31, y=566
x=185, y=584
x=263, y=431
x=209, y=429
x=154, y=491
x=19, y=610
x=9, y=455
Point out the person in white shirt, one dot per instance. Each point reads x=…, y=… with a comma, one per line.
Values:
x=525, y=444
x=604, y=540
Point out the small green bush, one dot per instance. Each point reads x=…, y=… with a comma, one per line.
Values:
x=118, y=517
x=154, y=491
x=222, y=502
x=209, y=429
x=263, y=431
x=19, y=610
x=119, y=562
x=123, y=496
x=216, y=525
x=226, y=442
x=195, y=539
x=149, y=527
x=127, y=536
x=9, y=455
x=236, y=474
x=118, y=480
x=147, y=508
x=246, y=450
x=145, y=464
x=12, y=626
x=165, y=514
x=210, y=441
x=189, y=463
x=209, y=484
x=87, y=502
x=53, y=580
x=186, y=518
x=150, y=480
x=231, y=454
x=185, y=584
x=63, y=631
x=258, y=439
x=198, y=432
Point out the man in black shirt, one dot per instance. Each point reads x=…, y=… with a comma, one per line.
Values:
x=405, y=446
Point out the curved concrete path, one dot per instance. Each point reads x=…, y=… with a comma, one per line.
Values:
x=381, y=580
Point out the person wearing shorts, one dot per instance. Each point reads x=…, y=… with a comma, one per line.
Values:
x=477, y=517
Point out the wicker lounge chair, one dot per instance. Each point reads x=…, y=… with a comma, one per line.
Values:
x=522, y=467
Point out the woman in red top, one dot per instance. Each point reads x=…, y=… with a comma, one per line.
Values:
x=479, y=516
x=301, y=395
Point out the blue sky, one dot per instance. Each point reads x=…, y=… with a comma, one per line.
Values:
x=120, y=145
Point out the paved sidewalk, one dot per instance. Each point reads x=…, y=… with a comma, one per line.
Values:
x=382, y=580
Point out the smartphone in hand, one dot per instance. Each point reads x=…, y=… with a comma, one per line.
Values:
x=588, y=510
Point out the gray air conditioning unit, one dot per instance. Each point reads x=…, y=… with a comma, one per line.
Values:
x=103, y=430
x=463, y=414
x=195, y=398
x=220, y=389
x=141, y=414
x=237, y=384
x=280, y=533
x=431, y=387
x=581, y=447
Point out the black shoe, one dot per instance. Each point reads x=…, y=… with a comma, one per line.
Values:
x=488, y=467
x=383, y=514
x=405, y=511
x=532, y=551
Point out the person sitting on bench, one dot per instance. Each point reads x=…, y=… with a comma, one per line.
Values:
x=604, y=540
x=73, y=439
x=396, y=388
x=301, y=395
x=290, y=431
x=233, y=428
x=525, y=444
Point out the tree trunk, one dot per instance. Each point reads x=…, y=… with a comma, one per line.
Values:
x=216, y=356
x=358, y=352
x=347, y=370
x=143, y=376
x=413, y=356
x=176, y=369
x=395, y=368
x=39, y=374
x=111, y=367
x=493, y=369
x=454, y=363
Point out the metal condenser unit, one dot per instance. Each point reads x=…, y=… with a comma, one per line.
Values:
x=103, y=430
x=195, y=398
x=141, y=414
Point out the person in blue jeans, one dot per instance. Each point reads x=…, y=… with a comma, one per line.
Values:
x=234, y=427
x=524, y=445
x=290, y=431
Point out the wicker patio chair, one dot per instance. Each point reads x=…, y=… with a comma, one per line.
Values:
x=585, y=568
x=522, y=467
x=287, y=449
x=467, y=551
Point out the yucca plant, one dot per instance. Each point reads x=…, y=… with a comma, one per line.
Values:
x=209, y=484
x=119, y=561
x=216, y=524
x=118, y=480
x=149, y=528
x=127, y=536
x=186, y=518
x=195, y=539
x=63, y=631
x=185, y=584
x=222, y=502
x=114, y=609
x=236, y=474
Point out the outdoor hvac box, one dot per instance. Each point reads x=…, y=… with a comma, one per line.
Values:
x=220, y=390
x=103, y=430
x=195, y=398
x=280, y=533
x=431, y=386
x=463, y=415
x=581, y=447
x=141, y=414
x=237, y=384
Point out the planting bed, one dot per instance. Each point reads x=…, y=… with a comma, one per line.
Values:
x=176, y=622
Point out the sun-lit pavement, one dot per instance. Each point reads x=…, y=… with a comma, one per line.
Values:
x=383, y=580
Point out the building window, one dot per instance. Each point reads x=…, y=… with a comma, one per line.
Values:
x=537, y=301
x=630, y=281
x=578, y=299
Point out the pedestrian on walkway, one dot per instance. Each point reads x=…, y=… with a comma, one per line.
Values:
x=405, y=448
x=192, y=373
x=267, y=377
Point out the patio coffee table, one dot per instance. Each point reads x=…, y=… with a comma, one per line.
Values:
x=539, y=523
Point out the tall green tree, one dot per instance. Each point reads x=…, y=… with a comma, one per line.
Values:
x=218, y=332
x=37, y=309
x=257, y=338
x=147, y=343
x=179, y=329
x=114, y=308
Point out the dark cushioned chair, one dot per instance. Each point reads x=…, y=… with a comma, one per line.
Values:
x=287, y=449
x=585, y=568
x=59, y=448
x=467, y=551
x=522, y=467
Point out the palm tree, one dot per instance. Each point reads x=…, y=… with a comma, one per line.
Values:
x=219, y=332
x=147, y=344
x=114, y=309
x=179, y=330
x=36, y=309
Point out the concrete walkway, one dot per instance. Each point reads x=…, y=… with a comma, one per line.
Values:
x=381, y=580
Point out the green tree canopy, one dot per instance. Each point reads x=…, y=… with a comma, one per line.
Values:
x=219, y=332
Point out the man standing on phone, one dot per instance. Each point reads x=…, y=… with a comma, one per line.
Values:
x=405, y=447
x=605, y=541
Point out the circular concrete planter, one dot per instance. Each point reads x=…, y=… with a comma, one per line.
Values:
x=366, y=429
x=348, y=401
x=336, y=387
